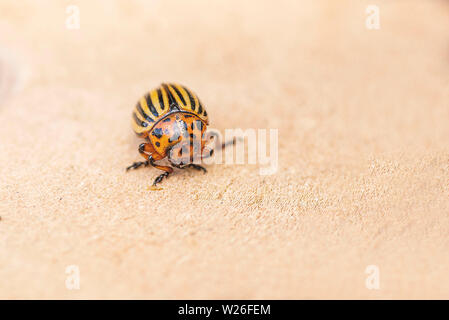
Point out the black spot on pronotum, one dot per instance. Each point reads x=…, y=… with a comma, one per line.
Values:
x=166, y=120
x=176, y=135
x=157, y=132
x=184, y=129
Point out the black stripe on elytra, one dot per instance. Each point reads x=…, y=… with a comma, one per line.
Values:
x=161, y=99
x=179, y=94
x=142, y=113
x=138, y=121
x=200, y=108
x=171, y=100
x=157, y=132
x=151, y=106
x=192, y=101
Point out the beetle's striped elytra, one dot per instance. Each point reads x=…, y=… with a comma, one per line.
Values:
x=166, y=99
x=173, y=121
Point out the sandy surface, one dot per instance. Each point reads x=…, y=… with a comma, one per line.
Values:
x=363, y=173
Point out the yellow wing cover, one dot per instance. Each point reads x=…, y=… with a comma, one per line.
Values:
x=163, y=100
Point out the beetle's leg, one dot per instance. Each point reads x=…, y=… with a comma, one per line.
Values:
x=195, y=166
x=190, y=165
x=223, y=146
x=184, y=166
x=144, y=150
x=167, y=170
x=138, y=164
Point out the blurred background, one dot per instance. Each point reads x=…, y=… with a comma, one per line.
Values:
x=359, y=91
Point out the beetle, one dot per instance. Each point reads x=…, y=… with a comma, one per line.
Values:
x=173, y=121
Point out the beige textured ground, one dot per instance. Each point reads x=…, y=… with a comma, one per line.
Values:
x=363, y=119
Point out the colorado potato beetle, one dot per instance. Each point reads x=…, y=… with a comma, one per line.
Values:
x=173, y=121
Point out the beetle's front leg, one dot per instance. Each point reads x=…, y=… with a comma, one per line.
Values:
x=145, y=149
x=167, y=170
